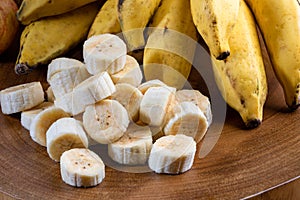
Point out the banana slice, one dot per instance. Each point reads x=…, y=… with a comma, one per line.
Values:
x=64, y=74
x=104, y=52
x=105, y=121
x=172, y=154
x=130, y=97
x=133, y=148
x=90, y=91
x=21, y=97
x=154, y=105
x=198, y=99
x=43, y=121
x=189, y=120
x=27, y=116
x=131, y=73
x=151, y=83
x=64, y=134
x=81, y=167
x=49, y=95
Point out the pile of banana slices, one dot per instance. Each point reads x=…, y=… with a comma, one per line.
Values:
x=103, y=100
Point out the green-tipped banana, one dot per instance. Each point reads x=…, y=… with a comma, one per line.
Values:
x=134, y=15
x=214, y=20
x=32, y=10
x=241, y=77
x=279, y=21
x=48, y=38
x=107, y=20
x=170, y=48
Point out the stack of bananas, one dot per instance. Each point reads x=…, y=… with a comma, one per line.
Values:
x=228, y=27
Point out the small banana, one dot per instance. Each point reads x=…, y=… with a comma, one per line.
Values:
x=21, y=97
x=155, y=104
x=81, y=167
x=215, y=20
x=64, y=74
x=187, y=119
x=130, y=97
x=172, y=154
x=151, y=83
x=104, y=52
x=131, y=73
x=27, y=116
x=279, y=23
x=42, y=121
x=134, y=147
x=198, y=99
x=89, y=91
x=32, y=10
x=42, y=40
x=164, y=55
x=107, y=19
x=106, y=121
x=134, y=15
x=64, y=134
x=241, y=78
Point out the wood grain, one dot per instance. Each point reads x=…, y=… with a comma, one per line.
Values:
x=243, y=162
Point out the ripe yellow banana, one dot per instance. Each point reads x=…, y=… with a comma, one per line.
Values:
x=48, y=38
x=134, y=15
x=214, y=20
x=279, y=22
x=32, y=10
x=241, y=77
x=168, y=60
x=107, y=19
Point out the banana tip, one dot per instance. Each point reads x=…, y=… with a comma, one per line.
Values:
x=294, y=106
x=22, y=68
x=223, y=55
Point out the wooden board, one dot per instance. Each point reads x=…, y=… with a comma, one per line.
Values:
x=242, y=163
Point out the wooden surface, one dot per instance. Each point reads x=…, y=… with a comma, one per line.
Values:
x=242, y=164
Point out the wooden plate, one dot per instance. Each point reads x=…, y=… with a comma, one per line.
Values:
x=241, y=164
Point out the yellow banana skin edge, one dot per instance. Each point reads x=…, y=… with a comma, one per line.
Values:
x=241, y=77
x=279, y=22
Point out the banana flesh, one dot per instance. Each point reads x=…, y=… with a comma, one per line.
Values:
x=171, y=29
x=134, y=147
x=172, y=154
x=106, y=121
x=38, y=47
x=81, y=167
x=241, y=77
x=64, y=134
x=134, y=15
x=21, y=97
x=215, y=20
x=32, y=10
x=107, y=19
x=279, y=23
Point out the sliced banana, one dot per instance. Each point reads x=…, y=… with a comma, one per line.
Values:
x=106, y=121
x=104, y=52
x=172, y=154
x=21, y=97
x=198, y=99
x=49, y=95
x=64, y=134
x=131, y=73
x=64, y=74
x=81, y=167
x=134, y=147
x=187, y=119
x=43, y=121
x=27, y=116
x=151, y=83
x=90, y=91
x=154, y=105
x=130, y=97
